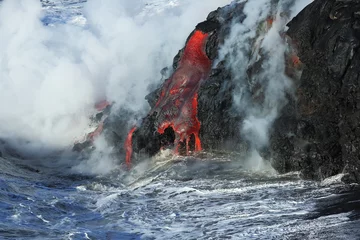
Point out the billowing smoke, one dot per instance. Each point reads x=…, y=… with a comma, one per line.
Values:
x=258, y=44
x=51, y=76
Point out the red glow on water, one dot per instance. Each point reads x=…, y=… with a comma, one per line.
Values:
x=128, y=146
x=177, y=105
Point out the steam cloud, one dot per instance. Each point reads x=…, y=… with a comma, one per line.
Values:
x=51, y=76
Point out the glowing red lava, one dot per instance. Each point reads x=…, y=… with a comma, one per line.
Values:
x=100, y=106
x=128, y=146
x=91, y=136
x=177, y=104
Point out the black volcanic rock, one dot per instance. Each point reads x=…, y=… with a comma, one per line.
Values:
x=324, y=122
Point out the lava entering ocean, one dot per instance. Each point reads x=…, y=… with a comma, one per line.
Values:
x=176, y=107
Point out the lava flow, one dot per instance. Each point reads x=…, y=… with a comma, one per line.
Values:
x=176, y=107
x=100, y=107
x=128, y=146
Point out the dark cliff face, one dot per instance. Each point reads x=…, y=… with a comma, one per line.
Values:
x=324, y=120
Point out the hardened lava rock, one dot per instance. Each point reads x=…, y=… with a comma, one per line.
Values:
x=319, y=133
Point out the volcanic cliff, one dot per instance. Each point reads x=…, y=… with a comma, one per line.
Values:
x=324, y=117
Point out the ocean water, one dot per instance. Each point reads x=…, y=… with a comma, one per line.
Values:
x=206, y=196
x=181, y=198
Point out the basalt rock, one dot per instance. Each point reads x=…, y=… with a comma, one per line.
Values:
x=319, y=133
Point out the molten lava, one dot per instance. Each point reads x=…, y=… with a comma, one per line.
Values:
x=91, y=136
x=128, y=146
x=177, y=105
x=100, y=106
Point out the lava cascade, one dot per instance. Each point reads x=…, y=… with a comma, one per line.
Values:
x=128, y=146
x=176, y=107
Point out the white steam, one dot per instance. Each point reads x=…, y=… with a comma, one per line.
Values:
x=100, y=161
x=50, y=77
x=249, y=41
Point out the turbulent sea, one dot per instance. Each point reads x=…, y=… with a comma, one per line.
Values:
x=211, y=196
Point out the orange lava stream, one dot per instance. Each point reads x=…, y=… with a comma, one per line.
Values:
x=128, y=147
x=102, y=105
x=178, y=98
x=177, y=106
x=91, y=136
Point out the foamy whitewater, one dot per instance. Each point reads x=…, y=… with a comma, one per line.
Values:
x=58, y=58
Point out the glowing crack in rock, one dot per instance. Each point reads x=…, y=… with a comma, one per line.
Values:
x=177, y=105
